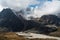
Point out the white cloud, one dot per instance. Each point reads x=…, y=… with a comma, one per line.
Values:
x=47, y=8
x=1, y=8
x=16, y=4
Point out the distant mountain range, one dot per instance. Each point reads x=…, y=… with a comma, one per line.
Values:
x=9, y=21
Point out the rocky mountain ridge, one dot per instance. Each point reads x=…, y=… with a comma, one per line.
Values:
x=45, y=24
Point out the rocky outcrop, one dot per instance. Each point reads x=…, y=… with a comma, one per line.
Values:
x=50, y=19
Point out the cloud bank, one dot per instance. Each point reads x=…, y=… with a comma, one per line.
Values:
x=48, y=7
x=17, y=4
x=42, y=7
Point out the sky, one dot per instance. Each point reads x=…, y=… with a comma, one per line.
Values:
x=49, y=7
x=16, y=4
x=41, y=7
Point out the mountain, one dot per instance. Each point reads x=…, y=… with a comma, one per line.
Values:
x=14, y=22
x=50, y=20
x=9, y=20
x=47, y=24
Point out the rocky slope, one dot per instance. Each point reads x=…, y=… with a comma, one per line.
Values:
x=47, y=24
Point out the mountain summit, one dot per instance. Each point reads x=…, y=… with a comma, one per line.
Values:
x=9, y=20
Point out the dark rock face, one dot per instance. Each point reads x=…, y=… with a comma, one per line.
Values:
x=31, y=24
x=41, y=26
x=10, y=20
x=49, y=19
x=46, y=30
x=43, y=29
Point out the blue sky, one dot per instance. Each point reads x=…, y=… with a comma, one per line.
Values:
x=40, y=4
